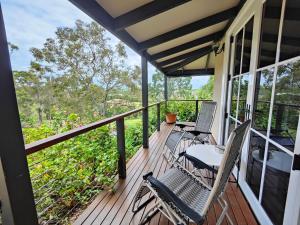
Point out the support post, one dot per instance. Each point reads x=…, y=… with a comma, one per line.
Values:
x=158, y=117
x=166, y=92
x=16, y=195
x=197, y=108
x=166, y=88
x=121, y=148
x=145, y=102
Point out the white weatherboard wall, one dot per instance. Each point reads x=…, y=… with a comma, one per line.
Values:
x=219, y=60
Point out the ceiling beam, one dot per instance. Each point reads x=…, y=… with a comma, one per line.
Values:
x=238, y=9
x=184, y=56
x=95, y=11
x=194, y=72
x=211, y=37
x=188, y=45
x=145, y=12
x=185, y=62
x=192, y=27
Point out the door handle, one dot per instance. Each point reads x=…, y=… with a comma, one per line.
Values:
x=296, y=162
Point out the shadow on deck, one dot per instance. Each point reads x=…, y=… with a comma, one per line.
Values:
x=114, y=207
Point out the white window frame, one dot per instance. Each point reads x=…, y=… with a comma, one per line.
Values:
x=255, y=8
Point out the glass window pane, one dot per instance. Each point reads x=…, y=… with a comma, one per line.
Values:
x=290, y=41
x=247, y=47
x=234, y=95
x=238, y=52
x=286, y=105
x=243, y=97
x=262, y=99
x=276, y=183
x=269, y=32
x=255, y=159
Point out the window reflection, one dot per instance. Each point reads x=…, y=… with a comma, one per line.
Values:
x=243, y=97
x=269, y=32
x=234, y=96
x=247, y=46
x=255, y=159
x=286, y=105
x=290, y=41
x=262, y=99
x=231, y=126
x=238, y=52
x=276, y=182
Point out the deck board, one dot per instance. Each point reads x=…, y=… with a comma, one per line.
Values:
x=114, y=207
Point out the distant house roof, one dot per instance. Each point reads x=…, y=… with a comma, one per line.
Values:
x=174, y=35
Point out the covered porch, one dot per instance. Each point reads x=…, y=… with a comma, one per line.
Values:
x=246, y=45
x=114, y=206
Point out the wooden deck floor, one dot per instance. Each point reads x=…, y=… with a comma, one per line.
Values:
x=114, y=207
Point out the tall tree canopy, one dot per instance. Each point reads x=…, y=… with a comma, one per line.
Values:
x=77, y=71
x=206, y=91
x=178, y=88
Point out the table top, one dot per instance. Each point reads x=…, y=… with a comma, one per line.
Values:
x=279, y=160
x=209, y=154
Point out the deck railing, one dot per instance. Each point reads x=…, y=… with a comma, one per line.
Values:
x=45, y=197
x=55, y=139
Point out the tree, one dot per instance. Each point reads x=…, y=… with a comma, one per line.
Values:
x=12, y=47
x=206, y=91
x=82, y=63
x=180, y=88
x=156, y=87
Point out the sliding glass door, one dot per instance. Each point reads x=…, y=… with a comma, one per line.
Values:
x=272, y=101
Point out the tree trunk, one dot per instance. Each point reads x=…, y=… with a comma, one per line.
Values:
x=104, y=104
x=39, y=110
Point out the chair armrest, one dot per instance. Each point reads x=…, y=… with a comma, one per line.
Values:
x=196, y=132
x=180, y=125
x=167, y=195
x=183, y=125
x=147, y=175
x=181, y=154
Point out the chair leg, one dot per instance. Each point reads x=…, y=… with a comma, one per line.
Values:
x=229, y=219
x=150, y=214
x=224, y=213
x=139, y=207
x=222, y=216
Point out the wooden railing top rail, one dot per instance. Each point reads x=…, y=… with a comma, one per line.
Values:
x=58, y=138
x=55, y=139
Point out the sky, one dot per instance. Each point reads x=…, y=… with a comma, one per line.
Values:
x=29, y=23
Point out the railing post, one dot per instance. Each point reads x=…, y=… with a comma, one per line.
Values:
x=145, y=102
x=166, y=93
x=197, y=108
x=166, y=88
x=17, y=201
x=121, y=148
x=158, y=117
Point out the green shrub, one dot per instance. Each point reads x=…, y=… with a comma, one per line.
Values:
x=67, y=175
